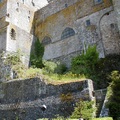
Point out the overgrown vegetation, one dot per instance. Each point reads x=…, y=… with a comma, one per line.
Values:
x=94, y=68
x=37, y=54
x=103, y=118
x=85, y=63
x=103, y=69
x=114, y=96
x=83, y=109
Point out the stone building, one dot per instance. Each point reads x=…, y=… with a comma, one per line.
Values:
x=65, y=27
x=16, y=21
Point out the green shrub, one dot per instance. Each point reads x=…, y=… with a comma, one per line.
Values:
x=83, y=109
x=61, y=68
x=114, y=95
x=103, y=69
x=49, y=67
x=85, y=63
x=13, y=58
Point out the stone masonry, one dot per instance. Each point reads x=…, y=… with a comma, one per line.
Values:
x=23, y=98
x=67, y=27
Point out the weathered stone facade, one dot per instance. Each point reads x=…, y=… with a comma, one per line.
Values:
x=23, y=99
x=92, y=24
x=66, y=26
x=16, y=25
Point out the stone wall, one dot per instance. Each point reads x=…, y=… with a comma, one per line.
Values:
x=116, y=4
x=3, y=39
x=20, y=15
x=5, y=70
x=79, y=7
x=22, y=41
x=93, y=25
x=35, y=4
x=3, y=8
x=24, y=98
x=3, y=25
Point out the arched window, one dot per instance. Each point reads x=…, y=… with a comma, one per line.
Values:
x=68, y=32
x=13, y=34
x=46, y=40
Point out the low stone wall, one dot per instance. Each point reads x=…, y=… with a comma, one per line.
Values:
x=100, y=97
x=23, y=98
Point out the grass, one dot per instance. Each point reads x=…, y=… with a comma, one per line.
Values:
x=66, y=78
x=103, y=118
x=54, y=78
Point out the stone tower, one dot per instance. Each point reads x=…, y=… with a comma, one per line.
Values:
x=16, y=25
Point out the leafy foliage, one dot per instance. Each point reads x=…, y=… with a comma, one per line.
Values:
x=49, y=67
x=37, y=54
x=103, y=69
x=94, y=68
x=13, y=58
x=83, y=109
x=61, y=68
x=114, y=95
x=103, y=118
x=85, y=63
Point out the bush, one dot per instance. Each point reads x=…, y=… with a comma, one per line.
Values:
x=85, y=63
x=49, y=67
x=61, y=68
x=114, y=95
x=103, y=69
x=83, y=109
x=13, y=58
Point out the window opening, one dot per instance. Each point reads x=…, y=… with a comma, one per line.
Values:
x=23, y=1
x=46, y=40
x=13, y=34
x=98, y=1
x=88, y=23
x=17, y=4
x=68, y=32
x=66, y=5
x=33, y=3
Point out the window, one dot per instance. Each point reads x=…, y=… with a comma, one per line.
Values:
x=88, y=23
x=98, y=1
x=66, y=5
x=46, y=40
x=33, y=3
x=13, y=34
x=23, y=1
x=68, y=32
x=17, y=4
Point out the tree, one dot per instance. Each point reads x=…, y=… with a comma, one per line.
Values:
x=37, y=54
